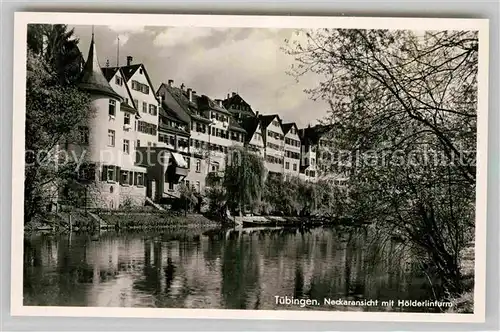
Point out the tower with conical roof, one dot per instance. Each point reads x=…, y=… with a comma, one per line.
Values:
x=105, y=148
x=92, y=79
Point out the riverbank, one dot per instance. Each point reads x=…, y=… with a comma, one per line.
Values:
x=93, y=221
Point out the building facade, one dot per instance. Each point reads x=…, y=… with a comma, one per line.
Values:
x=291, y=150
x=145, y=143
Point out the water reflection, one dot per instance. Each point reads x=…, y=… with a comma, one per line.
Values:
x=217, y=269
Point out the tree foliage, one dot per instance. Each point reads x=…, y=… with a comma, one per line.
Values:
x=243, y=178
x=408, y=101
x=55, y=108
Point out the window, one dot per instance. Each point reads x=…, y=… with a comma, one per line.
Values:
x=84, y=134
x=306, y=161
x=287, y=165
x=313, y=161
x=139, y=179
x=144, y=88
x=198, y=165
x=138, y=143
x=152, y=109
x=126, y=146
x=147, y=128
x=187, y=183
x=124, y=177
x=171, y=186
x=112, y=107
x=294, y=167
x=144, y=107
x=118, y=80
x=198, y=187
x=111, y=137
x=307, y=173
x=108, y=173
x=126, y=119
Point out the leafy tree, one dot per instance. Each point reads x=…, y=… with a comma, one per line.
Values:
x=188, y=197
x=243, y=178
x=58, y=47
x=55, y=108
x=406, y=104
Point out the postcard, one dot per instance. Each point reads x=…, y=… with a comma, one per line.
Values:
x=249, y=167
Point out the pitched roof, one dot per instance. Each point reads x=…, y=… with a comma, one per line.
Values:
x=234, y=126
x=126, y=107
x=129, y=71
x=92, y=78
x=287, y=126
x=265, y=120
x=175, y=103
x=205, y=102
x=109, y=72
x=312, y=135
x=236, y=99
x=250, y=125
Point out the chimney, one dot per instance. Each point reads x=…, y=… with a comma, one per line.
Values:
x=194, y=92
x=190, y=94
x=256, y=113
x=182, y=86
x=170, y=82
x=219, y=102
x=129, y=60
x=228, y=96
x=234, y=94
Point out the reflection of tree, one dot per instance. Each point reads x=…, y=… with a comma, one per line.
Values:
x=169, y=274
x=239, y=274
x=299, y=281
x=151, y=283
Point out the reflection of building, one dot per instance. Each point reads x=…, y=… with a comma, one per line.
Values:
x=144, y=143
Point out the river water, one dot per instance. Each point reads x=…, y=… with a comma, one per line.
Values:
x=220, y=269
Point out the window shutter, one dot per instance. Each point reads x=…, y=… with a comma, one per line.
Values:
x=104, y=173
x=131, y=178
x=117, y=174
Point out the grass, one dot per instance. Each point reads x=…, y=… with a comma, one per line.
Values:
x=138, y=220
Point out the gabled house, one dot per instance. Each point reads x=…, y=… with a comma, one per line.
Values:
x=292, y=149
x=143, y=98
x=238, y=107
x=319, y=153
x=254, y=140
x=272, y=133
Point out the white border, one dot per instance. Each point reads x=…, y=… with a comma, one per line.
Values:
x=20, y=30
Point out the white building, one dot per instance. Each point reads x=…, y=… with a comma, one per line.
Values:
x=107, y=141
x=292, y=149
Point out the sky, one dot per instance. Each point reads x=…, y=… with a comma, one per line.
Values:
x=214, y=62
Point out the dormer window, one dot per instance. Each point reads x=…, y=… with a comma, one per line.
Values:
x=118, y=80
